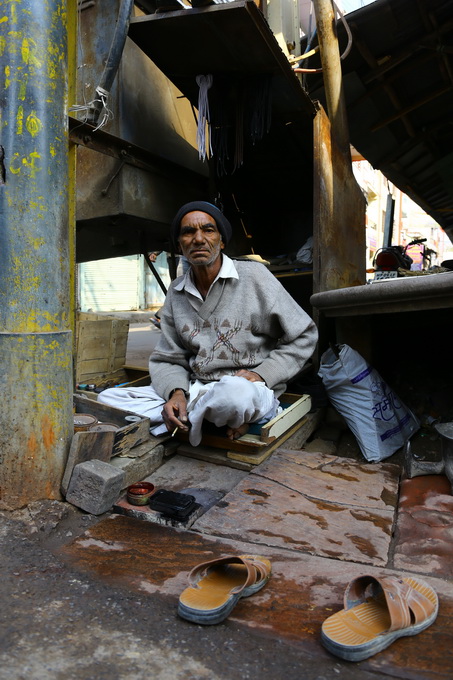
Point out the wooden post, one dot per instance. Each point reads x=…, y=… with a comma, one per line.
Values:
x=331, y=66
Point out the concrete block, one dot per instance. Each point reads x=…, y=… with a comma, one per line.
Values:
x=95, y=486
x=137, y=469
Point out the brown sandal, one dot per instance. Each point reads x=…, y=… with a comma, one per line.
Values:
x=217, y=585
x=376, y=612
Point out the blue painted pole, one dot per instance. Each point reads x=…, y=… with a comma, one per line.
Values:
x=36, y=255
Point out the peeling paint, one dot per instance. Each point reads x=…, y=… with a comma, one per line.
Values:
x=33, y=124
x=48, y=433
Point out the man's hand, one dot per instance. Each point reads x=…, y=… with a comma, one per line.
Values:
x=249, y=375
x=174, y=412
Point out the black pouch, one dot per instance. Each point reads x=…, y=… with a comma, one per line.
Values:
x=172, y=504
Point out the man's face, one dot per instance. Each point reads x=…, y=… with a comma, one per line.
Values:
x=199, y=238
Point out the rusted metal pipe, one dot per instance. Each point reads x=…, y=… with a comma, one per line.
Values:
x=35, y=253
x=331, y=70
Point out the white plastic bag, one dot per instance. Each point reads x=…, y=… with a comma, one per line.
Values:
x=380, y=422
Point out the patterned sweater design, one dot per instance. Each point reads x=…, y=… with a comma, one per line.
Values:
x=250, y=322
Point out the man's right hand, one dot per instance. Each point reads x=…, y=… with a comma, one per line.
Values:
x=174, y=412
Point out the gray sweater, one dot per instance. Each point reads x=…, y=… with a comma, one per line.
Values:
x=251, y=322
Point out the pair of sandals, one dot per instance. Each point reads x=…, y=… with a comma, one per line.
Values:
x=377, y=611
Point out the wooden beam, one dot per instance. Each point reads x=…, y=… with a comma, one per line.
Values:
x=415, y=105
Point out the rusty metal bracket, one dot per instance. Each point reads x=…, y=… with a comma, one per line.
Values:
x=84, y=134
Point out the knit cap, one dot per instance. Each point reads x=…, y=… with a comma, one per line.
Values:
x=223, y=225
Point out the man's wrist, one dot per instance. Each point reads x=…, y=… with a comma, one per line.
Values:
x=178, y=389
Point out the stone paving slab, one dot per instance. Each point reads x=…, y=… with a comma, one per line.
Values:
x=335, y=479
x=303, y=591
x=424, y=533
x=313, y=503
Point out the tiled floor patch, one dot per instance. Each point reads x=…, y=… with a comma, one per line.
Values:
x=313, y=503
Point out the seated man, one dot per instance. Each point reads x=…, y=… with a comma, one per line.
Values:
x=231, y=338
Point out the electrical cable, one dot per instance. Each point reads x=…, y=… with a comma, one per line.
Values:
x=347, y=48
x=111, y=66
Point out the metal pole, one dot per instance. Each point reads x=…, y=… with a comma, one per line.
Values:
x=331, y=68
x=389, y=219
x=36, y=256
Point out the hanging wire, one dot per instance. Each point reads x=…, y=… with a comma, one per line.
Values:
x=106, y=114
x=346, y=51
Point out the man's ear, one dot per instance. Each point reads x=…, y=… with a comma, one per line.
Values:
x=222, y=245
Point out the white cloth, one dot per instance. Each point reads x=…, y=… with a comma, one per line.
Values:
x=231, y=401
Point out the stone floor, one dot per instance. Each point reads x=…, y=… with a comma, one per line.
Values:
x=323, y=516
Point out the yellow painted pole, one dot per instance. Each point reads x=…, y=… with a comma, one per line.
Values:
x=36, y=251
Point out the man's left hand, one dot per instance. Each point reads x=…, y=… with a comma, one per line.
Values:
x=249, y=375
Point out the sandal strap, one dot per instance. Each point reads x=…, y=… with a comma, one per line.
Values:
x=262, y=569
x=201, y=570
x=405, y=604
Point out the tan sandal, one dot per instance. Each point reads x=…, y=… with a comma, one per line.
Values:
x=377, y=611
x=217, y=585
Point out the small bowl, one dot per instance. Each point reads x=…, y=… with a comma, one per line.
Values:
x=140, y=493
x=83, y=421
x=104, y=427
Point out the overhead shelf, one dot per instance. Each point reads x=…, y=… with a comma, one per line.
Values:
x=229, y=39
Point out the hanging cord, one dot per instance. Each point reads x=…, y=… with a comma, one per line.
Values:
x=247, y=235
x=260, y=105
x=238, y=159
x=346, y=51
x=220, y=127
x=204, y=118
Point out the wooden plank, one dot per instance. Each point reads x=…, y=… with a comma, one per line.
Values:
x=211, y=455
x=248, y=460
x=247, y=443
x=280, y=424
x=101, y=344
x=257, y=458
x=128, y=435
x=87, y=446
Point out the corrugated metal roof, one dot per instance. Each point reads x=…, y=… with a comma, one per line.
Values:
x=398, y=84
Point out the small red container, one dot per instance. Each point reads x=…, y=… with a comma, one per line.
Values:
x=140, y=493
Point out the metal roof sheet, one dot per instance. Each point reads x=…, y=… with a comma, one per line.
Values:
x=398, y=85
